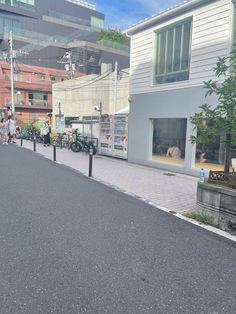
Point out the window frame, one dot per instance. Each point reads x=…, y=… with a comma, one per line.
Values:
x=157, y=35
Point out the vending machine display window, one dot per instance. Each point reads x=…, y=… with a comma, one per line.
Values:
x=106, y=135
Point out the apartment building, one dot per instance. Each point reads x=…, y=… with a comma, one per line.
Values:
x=172, y=53
x=32, y=90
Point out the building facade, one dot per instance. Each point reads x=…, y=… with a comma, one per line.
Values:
x=46, y=30
x=32, y=90
x=172, y=53
x=82, y=97
x=59, y=34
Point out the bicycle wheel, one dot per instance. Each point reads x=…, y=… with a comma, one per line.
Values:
x=75, y=147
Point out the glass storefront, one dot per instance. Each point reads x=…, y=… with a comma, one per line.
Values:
x=211, y=155
x=169, y=138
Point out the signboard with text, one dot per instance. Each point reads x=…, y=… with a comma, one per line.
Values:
x=60, y=124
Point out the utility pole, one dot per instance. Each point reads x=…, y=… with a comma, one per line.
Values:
x=69, y=66
x=115, y=88
x=59, y=104
x=12, y=57
x=13, y=54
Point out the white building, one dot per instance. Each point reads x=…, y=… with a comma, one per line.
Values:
x=172, y=53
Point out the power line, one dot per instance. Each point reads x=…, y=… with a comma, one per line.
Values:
x=89, y=83
x=94, y=80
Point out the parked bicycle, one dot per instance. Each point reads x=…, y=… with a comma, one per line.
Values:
x=83, y=144
x=62, y=140
x=30, y=133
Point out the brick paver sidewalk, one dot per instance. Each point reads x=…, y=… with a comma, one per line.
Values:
x=175, y=193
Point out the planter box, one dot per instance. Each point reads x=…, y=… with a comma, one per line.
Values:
x=219, y=203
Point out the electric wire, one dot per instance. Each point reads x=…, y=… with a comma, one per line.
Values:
x=74, y=87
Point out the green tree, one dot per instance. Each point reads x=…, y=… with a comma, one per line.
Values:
x=114, y=36
x=219, y=121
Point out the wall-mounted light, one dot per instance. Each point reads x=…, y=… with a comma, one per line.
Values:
x=130, y=99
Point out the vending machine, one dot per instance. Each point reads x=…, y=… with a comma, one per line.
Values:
x=120, y=135
x=105, y=142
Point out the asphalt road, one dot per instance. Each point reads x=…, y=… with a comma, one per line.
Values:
x=69, y=245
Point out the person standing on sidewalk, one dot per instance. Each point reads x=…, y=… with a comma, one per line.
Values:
x=3, y=131
x=46, y=134
x=11, y=129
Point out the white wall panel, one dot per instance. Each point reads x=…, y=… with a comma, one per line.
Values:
x=210, y=40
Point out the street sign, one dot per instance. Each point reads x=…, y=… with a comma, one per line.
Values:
x=60, y=124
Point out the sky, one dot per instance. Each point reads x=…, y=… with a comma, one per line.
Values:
x=124, y=13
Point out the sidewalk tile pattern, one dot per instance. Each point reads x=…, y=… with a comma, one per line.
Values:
x=175, y=193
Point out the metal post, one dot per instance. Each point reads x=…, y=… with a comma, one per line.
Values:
x=34, y=144
x=90, y=162
x=115, y=88
x=21, y=141
x=12, y=56
x=54, y=153
x=61, y=141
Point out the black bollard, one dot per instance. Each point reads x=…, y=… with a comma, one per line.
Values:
x=54, y=153
x=21, y=141
x=34, y=144
x=90, y=162
x=61, y=141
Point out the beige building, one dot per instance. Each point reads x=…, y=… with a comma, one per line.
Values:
x=81, y=97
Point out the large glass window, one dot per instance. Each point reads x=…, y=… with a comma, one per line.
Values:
x=211, y=155
x=24, y=2
x=173, y=53
x=8, y=24
x=169, y=138
x=19, y=2
x=96, y=22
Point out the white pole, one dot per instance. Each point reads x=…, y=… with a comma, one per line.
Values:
x=12, y=74
x=115, y=88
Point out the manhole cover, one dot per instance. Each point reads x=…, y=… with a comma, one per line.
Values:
x=169, y=174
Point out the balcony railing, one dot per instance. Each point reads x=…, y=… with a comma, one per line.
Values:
x=112, y=44
x=32, y=103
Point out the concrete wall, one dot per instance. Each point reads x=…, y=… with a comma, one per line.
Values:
x=79, y=96
x=178, y=103
x=218, y=203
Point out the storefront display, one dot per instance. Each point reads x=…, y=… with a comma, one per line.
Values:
x=169, y=140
